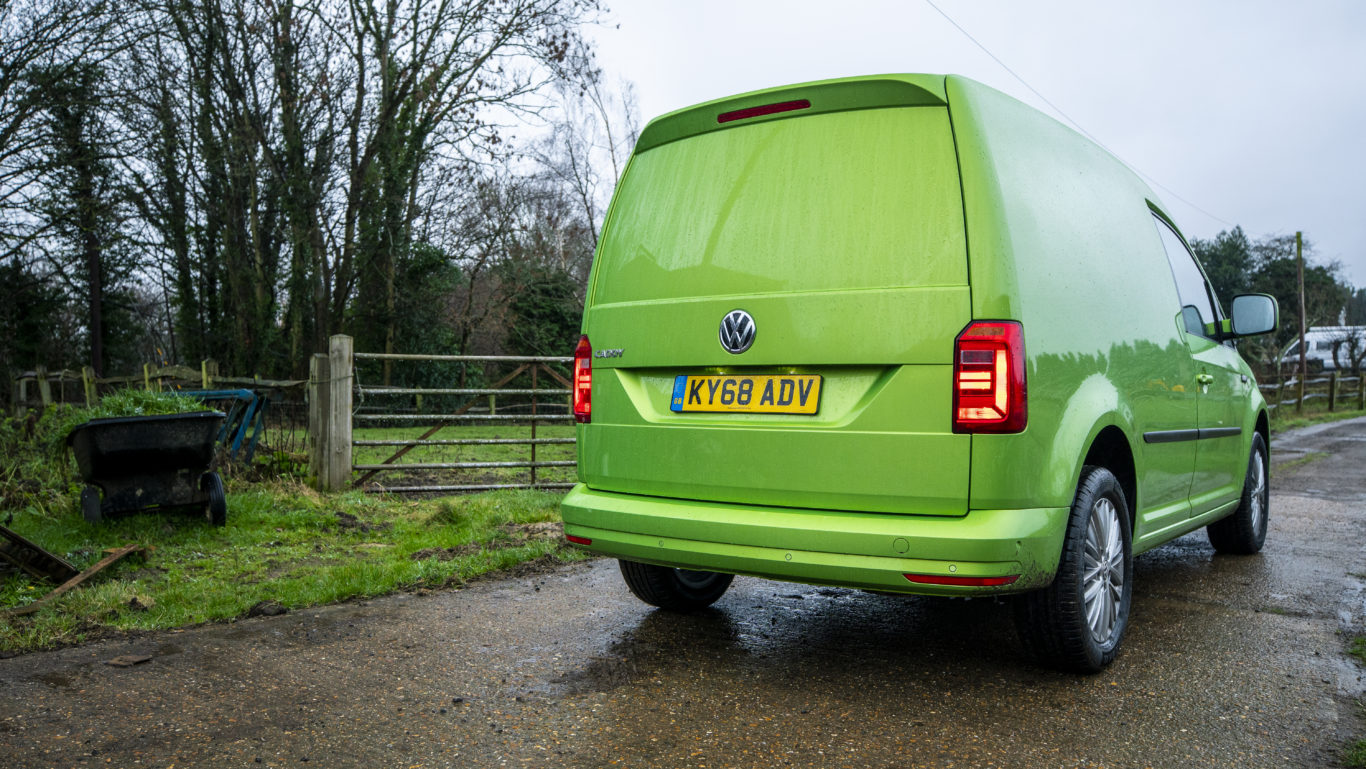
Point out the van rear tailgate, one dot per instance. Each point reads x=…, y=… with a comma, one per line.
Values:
x=880, y=444
x=841, y=234
x=880, y=439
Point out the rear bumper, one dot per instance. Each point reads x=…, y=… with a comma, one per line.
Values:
x=863, y=550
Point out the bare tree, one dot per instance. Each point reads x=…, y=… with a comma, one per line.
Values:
x=289, y=164
x=430, y=76
x=480, y=236
x=591, y=139
x=37, y=34
x=1349, y=348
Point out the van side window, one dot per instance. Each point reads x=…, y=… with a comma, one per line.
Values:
x=1197, y=306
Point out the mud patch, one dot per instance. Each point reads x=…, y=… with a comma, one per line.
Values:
x=267, y=609
x=512, y=535
x=451, y=553
x=542, y=565
x=349, y=522
x=525, y=532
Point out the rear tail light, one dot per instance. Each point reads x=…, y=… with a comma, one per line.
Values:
x=578, y=540
x=989, y=378
x=583, y=381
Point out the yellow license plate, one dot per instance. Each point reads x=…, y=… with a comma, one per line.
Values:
x=751, y=394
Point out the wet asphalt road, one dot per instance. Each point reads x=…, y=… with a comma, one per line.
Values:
x=1235, y=662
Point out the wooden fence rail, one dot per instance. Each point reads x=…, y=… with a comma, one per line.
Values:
x=1336, y=390
x=41, y=388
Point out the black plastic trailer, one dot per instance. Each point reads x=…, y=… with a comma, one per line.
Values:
x=136, y=464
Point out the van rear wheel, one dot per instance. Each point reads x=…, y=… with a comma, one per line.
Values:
x=1076, y=623
x=1244, y=532
x=674, y=589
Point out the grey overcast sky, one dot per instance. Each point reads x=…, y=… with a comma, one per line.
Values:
x=1253, y=111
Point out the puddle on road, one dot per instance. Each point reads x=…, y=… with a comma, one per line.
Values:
x=661, y=639
x=814, y=633
x=55, y=679
x=603, y=674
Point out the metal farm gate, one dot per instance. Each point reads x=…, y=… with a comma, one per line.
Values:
x=510, y=432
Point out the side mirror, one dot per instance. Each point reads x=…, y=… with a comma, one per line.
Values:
x=1254, y=314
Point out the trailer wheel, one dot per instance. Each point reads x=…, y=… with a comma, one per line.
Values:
x=90, y=504
x=216, y=511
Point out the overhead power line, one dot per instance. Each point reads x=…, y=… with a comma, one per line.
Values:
x=1068, y=118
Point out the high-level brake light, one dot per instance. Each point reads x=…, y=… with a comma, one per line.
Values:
x=989, y=378
x=767, y=109
x=583, y=381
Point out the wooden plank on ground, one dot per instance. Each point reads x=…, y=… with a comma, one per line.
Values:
x=76, y=581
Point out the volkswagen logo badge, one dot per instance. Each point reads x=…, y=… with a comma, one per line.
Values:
x=737, y=331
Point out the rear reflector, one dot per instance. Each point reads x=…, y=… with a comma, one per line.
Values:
x=583, y=381
x=989, y=378
x=939, y=579
x=578, y=540
x=767, y=109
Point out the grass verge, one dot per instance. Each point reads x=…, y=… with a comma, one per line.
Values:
x=1298, y=462
x=1291, y=420
x=1355, y=755
x=284, y=546
x=1358, y=649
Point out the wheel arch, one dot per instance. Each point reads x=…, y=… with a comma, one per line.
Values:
x=1096, y=429
x=1110, y=448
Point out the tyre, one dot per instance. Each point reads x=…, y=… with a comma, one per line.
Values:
x=1076, y=624
x=90, y=504
x=674, y=589
x=1244, y=532
x=216, y=509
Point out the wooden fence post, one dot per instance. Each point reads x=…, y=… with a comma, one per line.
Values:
x=319, y=396
x=1332, y=390
x=1299, y=402
x=341, y=374
x=208, y=369
x=88, y=382
x=44, y=387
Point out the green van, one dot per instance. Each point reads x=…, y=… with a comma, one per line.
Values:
x=906, y=334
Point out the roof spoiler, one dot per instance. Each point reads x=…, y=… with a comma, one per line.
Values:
x=795, y=100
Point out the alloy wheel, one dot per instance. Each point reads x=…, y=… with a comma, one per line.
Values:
x=1103, y=570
